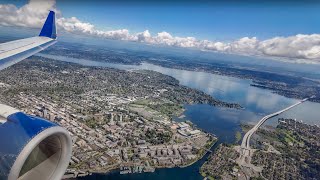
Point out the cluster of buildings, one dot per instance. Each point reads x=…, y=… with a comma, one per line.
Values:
x=120, y=138
x=185, y=130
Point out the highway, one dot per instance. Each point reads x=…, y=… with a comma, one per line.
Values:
x=246, y=139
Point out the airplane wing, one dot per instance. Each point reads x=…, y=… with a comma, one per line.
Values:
x=15, y=51
x=31, y=147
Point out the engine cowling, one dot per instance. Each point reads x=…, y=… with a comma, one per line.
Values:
x=32, y=147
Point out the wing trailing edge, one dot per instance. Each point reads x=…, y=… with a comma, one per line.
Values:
x=15, y=51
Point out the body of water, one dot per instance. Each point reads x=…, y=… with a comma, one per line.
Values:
x=223, y=122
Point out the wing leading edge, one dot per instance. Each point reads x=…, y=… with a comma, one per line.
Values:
x=15, y=51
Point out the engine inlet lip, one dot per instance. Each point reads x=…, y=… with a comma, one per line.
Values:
x=64, y=158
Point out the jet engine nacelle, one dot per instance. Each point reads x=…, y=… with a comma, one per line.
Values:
x=32, y=147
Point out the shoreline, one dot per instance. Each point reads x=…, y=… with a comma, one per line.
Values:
x=206, y=152
x=210, y=71
x=117, y=169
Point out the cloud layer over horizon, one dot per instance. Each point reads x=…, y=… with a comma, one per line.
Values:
x=300, y=48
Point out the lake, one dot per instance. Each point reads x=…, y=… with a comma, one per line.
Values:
x=223, y=122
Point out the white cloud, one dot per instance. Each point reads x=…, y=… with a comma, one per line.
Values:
x=144, y=36
x=75, y=25
x=299, y=48
x=31, y=15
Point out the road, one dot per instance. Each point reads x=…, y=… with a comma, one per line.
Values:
x=246, y=139
x=246, y=152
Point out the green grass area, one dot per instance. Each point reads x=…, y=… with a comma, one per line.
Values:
x=178, y=141
x=168, y=109
x=154, y=137
x=143, y=102
x=92, y=123
x=159, y=107
x=288, y=136
x=203, y=174
x=238, y=137
x=245, y=127
x=211, y=143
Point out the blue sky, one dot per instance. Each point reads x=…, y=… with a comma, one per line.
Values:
x=212, y=21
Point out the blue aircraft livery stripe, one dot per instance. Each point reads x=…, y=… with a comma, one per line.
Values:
x=49, y=27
